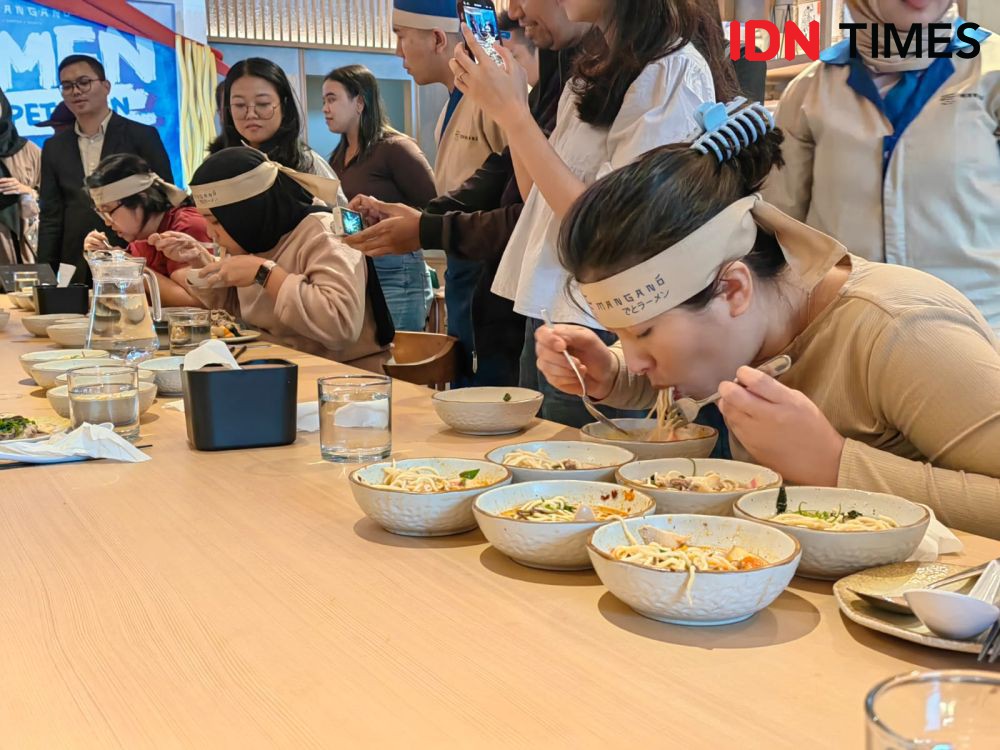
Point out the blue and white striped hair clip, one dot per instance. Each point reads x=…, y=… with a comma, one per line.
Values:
x=726, y=129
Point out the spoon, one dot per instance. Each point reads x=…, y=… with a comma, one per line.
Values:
x=587, y=403
x=689, y=408
x=899, y=604
x=959, y=616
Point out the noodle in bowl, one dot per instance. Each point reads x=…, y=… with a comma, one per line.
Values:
x=709, y=597
x=552, y=544
x=412, y=505
x=742, y=475
x=534, y=462
x=829, y=555
x=692, y=441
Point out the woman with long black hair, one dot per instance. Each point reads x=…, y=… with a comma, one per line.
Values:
x=644, y=73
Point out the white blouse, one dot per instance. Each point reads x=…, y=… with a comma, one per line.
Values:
x=658, y=109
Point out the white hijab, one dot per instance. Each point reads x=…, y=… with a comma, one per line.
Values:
x=871, y=11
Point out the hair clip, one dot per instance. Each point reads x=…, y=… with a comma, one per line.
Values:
x=727, y=129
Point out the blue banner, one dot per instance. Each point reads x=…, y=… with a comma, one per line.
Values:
x=143, y=74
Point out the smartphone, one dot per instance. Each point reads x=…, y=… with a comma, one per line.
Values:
x=481, y=18
x=352, y=221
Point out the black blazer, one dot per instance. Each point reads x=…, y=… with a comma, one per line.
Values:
x=67, y=213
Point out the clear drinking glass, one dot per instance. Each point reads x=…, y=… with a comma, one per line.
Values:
x=25, y=281
x=188, y=329
x=105, y=394
x=355, y=418
x=948, y=710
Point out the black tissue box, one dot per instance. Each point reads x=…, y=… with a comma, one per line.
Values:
x=254, y=407
x=74, y=298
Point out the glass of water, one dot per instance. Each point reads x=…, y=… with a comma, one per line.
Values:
x=188, y=329
x=25, y=281
x=355, y=418
x=105, y=394
x=948, y=710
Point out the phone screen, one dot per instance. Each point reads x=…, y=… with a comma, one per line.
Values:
x=353, y=223
x=481, y=18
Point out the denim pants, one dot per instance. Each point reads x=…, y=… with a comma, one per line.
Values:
x=569, y=410
x=406, y=288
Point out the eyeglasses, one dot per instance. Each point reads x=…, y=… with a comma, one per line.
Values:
x=83, y=84
x=261, y=111
x=107, y=215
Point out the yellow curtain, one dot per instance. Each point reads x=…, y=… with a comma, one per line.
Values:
x=198, y=78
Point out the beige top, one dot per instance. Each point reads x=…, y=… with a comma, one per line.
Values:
x=908, y=371
x=321, y=307
x=91, y=146
x=26, y=167
x=466, y=143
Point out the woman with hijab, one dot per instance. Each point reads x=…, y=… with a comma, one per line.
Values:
x=20, y=175
x=911, y=140
x=283, y=270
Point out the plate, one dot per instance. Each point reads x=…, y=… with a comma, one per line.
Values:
x=890, y=579
x=243, y=338
x=53, y=425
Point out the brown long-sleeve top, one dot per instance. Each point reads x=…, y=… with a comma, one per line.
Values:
x=396, y=171
x=321, y=307
x=908, y=371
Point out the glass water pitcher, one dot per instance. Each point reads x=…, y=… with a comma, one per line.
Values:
x=120, y=319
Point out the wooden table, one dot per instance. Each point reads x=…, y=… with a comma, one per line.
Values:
x=242, y=600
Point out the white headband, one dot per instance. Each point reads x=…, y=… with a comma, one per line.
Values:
x=258, y=180
x=677, y=274
x=133, y=185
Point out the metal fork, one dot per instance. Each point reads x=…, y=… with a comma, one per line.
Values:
x=587, y=403
x=991, y=646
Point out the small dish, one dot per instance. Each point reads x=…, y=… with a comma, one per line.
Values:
x=487, y=411
x=38, y=325
x=31, y=359
x=167, y=374
x=69, y=335
x=45, y=373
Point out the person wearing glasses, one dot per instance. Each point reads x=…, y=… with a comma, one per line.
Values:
x=67, y=214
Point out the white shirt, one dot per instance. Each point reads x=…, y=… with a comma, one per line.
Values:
x=658, y=109
x=91, y=146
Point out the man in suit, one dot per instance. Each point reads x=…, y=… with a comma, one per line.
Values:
x=67, y=214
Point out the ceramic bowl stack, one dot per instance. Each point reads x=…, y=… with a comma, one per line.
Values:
x=23, y=300
x=705, y=503
x=487, y=411
x=603, y=460
x=694, y=441
x=29, y=360
x=424, y=514
x=829, y=555
x=707, y=598
x=560, y=545
x=45, y=373
x=38, y=325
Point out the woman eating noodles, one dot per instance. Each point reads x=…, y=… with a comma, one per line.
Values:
x=285, y=270
x=702, y=280
x=137, y=205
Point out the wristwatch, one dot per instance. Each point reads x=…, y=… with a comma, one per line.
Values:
x=264, y=272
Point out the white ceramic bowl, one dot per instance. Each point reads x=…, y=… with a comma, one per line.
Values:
x=23, y=300
x=45, y=373
x=4, y=318
x=37, y=325
x=70, y=335
x=715, y=598
x=555, y=545
x=168, y=374
x=606, y=458
x=145, y=376
x=59, y=398
x=423, y=514
x=829, y=555
x=697, y=440
x=483, y=411
x=703, y=503
x=31, y=359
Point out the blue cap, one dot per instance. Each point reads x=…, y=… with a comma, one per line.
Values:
x=426, y=14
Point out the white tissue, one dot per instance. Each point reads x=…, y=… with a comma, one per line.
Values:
x=86, y=441
x=938, y=540
x=65, y=274
x=371, y=414
x=211, y=352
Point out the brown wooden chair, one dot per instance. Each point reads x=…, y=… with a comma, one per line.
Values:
x=424, y=359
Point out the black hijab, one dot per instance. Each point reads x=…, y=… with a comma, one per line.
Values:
x=10, y=141
x=260, y=222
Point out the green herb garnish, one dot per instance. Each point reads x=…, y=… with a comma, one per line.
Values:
x=506, y=397
x=14, y=427
x=470, y=474
x=782, y=501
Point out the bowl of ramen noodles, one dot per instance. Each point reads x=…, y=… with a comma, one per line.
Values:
x=841, y=531
x=561, y=459
x=707, y=486
x=425, y=496
x=647, y=441
x=694, y=570
x=487, y=410
x=547, y=524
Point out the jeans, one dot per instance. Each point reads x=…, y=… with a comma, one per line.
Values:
x=461, y=280
x=406, y=288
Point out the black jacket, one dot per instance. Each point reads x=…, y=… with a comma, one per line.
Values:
x=67, y=214
x=475, y=222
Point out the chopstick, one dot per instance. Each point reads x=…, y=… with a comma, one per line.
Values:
x=25, y=464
